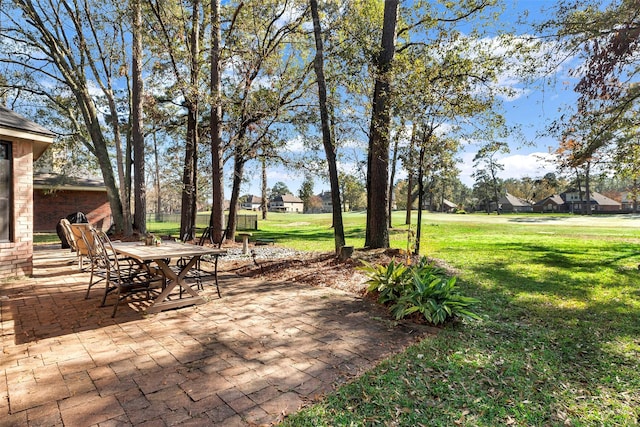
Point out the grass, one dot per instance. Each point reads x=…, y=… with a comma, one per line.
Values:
x=559, y=343
x=559, y=339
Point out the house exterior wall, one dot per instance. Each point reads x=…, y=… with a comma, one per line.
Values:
x=294, y=207
x=16, y=257
x=251, y=206
x=607, y=208
x=548, y=206
x=50, y=207
x=281, y=206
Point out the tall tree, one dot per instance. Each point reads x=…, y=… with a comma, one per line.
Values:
x=608, y=38
x=137, y=123
x=377, y=233
x=279, y=189
x=269, y=82
x=327, y=139
x=216, y=222
x=58, y=46
x=392, y=176
x=353, y=192
x=264, y=196
x=178, y=48
x=192, y=103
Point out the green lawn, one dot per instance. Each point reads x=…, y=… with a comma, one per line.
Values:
x=559, y=343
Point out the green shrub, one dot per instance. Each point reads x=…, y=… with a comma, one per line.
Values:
x=389, y=281
x=422, y=288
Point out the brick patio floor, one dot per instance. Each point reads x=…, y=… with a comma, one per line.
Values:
x=261, y=351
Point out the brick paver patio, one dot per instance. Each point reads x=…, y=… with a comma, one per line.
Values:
x=260, y=352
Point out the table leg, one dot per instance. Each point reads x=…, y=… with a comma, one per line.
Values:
x=161, y=302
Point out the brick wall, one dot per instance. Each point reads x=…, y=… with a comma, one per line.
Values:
x=50, y=207
x=16, y=258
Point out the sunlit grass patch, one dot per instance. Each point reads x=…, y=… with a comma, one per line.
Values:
x=557, y=343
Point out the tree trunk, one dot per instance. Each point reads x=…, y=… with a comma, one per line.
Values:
x=157, y=178
x=216, y=222
x=580, y=193
x=327, y=140
x=407, y=219
x=635, y=195
x=137, y=136
x=90, y=115
x=263, y=195
x=392, y=176
x=494, y=181
x=238, y=172
x=426, y=138
x=189, y=191
x=377, y=232
x=121, y=160
x=587, y=188
x=420, y=197
x=189, y=177
x=409, y=166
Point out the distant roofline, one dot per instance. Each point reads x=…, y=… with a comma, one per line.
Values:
x=47, y=181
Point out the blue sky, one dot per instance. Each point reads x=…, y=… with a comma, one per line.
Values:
x=533, y=110
x=540, y=104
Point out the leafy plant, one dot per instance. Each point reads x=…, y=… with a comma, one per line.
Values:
x=389, y=281
x=423, y=288
x=435, y=298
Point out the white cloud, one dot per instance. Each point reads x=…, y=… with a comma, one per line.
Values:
x=526, y=59
x=532, y=165
x=296, y=145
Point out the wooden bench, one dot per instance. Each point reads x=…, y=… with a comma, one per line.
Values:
x=265, y=242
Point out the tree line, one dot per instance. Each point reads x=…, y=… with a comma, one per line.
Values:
x=195, y=85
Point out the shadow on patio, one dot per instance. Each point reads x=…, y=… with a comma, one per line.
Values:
x=261, y=351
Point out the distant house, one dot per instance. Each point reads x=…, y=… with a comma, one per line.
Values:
x=286, y=203
x=252, y=203
x=21, y=143
x=575, y=202
x=448, y=206
x=628, y=202
x=571, y=201
x=327, y=203
x=553, y=203
x=57, y=196
x=511, y=203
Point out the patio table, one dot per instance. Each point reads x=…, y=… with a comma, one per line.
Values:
x=161, y=255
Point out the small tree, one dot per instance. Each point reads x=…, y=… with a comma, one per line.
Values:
x=486, y=172
x=306, y=192
x=353, y=193
x=279, y=189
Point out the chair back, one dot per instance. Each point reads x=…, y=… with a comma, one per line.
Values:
x=105, y=256
x=206, y=235
x=68, y=234
x=83, y=237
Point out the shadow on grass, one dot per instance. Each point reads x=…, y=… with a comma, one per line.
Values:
x=527, y=370
x=538, y=219
x=563, y=272
x=530, y=357
x=307, y=235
